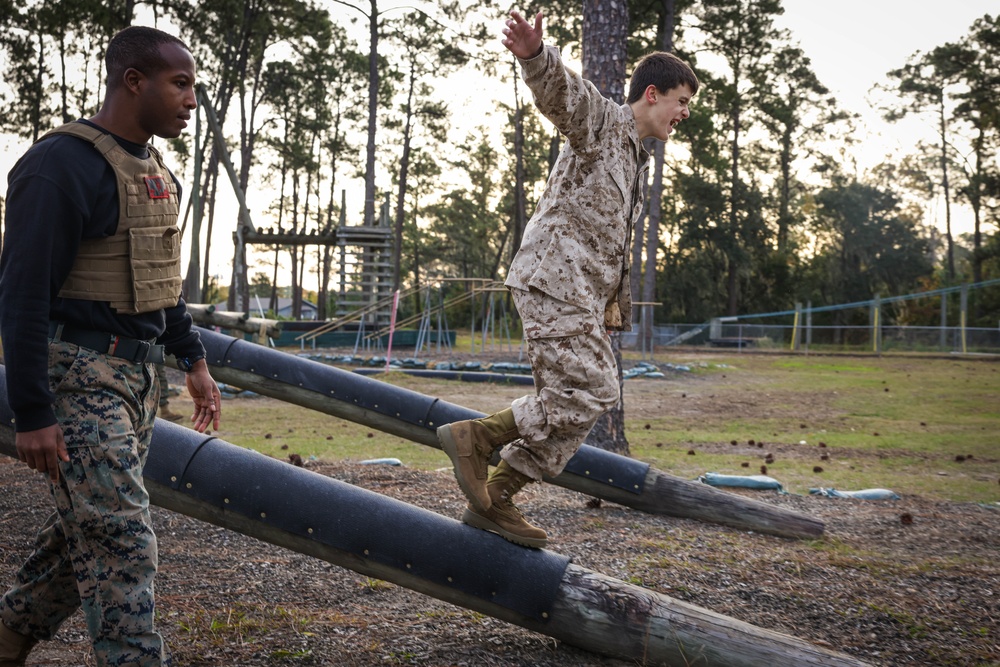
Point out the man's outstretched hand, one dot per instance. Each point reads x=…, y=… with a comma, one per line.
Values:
x=206, y=395
x=521, y=38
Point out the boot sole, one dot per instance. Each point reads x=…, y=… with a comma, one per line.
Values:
x=451, y=449
x=476, y=521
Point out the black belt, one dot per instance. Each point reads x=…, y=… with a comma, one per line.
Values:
x=134, y=350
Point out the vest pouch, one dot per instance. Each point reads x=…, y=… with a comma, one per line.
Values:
x=156, y=268
x=101, y=272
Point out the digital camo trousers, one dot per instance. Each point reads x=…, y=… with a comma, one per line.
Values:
x=576, y=381
x=161, y=377
x=97, y=551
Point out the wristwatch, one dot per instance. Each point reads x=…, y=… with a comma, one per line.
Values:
x=186, y=364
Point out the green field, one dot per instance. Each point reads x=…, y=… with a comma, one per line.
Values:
x=924, y=426
x=927, y=426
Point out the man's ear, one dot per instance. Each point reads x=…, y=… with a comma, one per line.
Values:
x=651, y=94
x=132, y=78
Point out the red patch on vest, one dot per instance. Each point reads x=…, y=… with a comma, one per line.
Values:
x=156, y=188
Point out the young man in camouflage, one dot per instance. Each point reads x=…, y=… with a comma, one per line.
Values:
x=569, y=279
x=89, y=299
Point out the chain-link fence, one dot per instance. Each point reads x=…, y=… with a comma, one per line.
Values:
x=857, y=327
x=824, y=338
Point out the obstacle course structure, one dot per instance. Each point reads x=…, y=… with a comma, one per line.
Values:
x=414, y=416
x=211, y=480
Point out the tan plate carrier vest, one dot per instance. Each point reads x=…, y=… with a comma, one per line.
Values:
x=138, y=270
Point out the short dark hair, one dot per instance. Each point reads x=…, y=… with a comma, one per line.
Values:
x=663, y=70
x=136, y=47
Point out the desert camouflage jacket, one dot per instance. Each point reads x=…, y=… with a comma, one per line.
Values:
x=576, y=247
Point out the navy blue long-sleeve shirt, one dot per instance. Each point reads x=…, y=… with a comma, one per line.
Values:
x=61, y=192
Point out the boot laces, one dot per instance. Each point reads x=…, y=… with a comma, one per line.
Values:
x=507, y=505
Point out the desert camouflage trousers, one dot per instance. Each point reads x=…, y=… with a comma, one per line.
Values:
x=576, y=381
x=97, y=551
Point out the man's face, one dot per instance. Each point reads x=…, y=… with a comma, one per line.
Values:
x=669, y=109
x=167, y=97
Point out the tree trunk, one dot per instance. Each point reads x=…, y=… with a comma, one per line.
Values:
x=128, y=13
x=327, y=259
x=206, y=200
x=294, y=250
x=732, y=281
x=212, y=184
x=520, y=203
x=653, y=233
x=975, y=199
x=272, y=303
x=372, y=114
x=785, y=192
x=36, y=109
x=656, y=188
x=404, y=165
x=639, y=233
x=63, y=86
x=947, y=194
x=732, y=286
x=192, y=280
x=605, y=27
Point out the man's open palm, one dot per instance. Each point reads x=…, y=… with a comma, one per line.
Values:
x=521, y=38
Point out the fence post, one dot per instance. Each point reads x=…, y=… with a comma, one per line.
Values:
x=646, y=335
x=876, y=325
x=642, y=329
x=472, y=327
x=795, y=326
x=944, y=320
x=647, y=330
x=715, y=328
x=809, y=324
x=392, y=329
x=964, y=316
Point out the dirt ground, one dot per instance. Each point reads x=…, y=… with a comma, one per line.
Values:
x=904, y=582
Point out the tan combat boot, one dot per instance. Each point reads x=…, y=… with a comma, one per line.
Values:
x=503, y=517
x=470, y=445
x=166, y=413
x=14, y=647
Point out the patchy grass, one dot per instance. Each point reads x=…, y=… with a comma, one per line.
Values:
x=283, y=632
x=917, y=425
x=280, y=430
x=921, y=426
x=241, y=623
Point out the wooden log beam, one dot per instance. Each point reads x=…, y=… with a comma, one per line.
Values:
x=675, y=496
x=611, y=617
x=288, y=238
x=228, y=319
x=661, y=493
x=201, y=309
x=589, y=610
